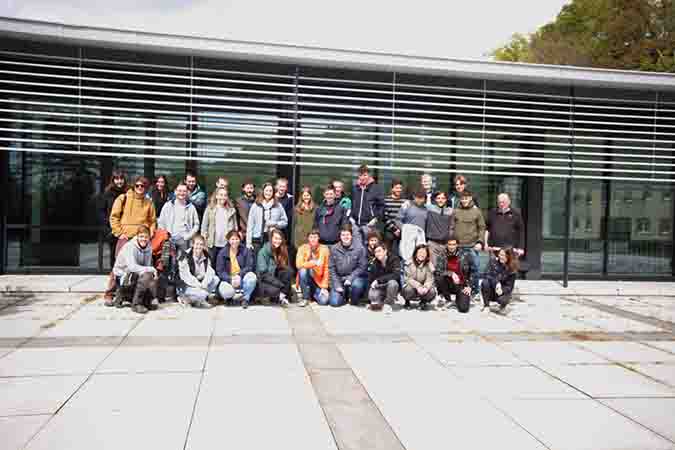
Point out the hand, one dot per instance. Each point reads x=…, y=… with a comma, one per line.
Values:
x=467, y=290
x=347, y=283
x=236, y=281
x=478, y=247
x=397, y=233
x=455, y=278
x=420, y=290
x=519, y=251
x=372, y=222
x=423, y=290
x=374, y=284
x=339, y=290
x=249, y=246
x=498, y=289
x=323, y=293
x=123, y=236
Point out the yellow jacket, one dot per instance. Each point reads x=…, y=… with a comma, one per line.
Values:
x=138, y=210
x=320, y=272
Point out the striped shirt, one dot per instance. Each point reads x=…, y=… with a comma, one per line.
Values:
x=391, y=207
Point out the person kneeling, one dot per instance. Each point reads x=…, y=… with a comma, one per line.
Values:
x=500, y=278
x=198, y=282
x=312, y=264
x=347, y=266
x=383, y=278
x=235, y=264
x=419, y=278
x=453, y=275
x=134, y=272
x=273, y=269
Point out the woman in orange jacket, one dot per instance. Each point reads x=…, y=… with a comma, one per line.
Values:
x=312, y=264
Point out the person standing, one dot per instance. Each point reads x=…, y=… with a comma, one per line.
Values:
x=220, y=218
x=392, y=224
x=367, y=204
x=196, y=194
x=286, y=201
x=304, y=216
x=265, y=214
x=116, y=186
x=419, y=279
x=236, y=270
x=347, y=266
x=460, y=186
x=470, y=230
x=243, y=205
x=179, y=217
x=274, y=270
x=329, y=218
x=129, y=212
x=383, y=279
x=504, y=227
x=453, y=275
x=500, y=278
x=159, y=193
x=341, y=196
x=312, y=264
x=413, y=219
x=440, y=225
x=427, y=183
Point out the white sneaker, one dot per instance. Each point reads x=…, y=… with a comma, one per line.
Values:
x=183, y=301
x=302, y=303
x=485, y=310
x=283, y=300
x=387, y=309
x=440, y=302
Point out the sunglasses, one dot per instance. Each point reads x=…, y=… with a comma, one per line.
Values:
x=140, y=185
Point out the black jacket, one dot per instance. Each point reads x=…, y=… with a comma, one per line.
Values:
x=158, y=200
x=384, y=274
x=367, y=203
x=441, y=267
x=440, y=223
x=506, y=229
x=105, y=205
x=499, y=273
x=329, y=221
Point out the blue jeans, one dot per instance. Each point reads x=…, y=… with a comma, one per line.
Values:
x=354, y=293
x=310, y=290
x=198, y=294
x=227, y=291
x=474, y=261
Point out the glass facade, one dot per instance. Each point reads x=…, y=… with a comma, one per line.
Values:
x=69, y=116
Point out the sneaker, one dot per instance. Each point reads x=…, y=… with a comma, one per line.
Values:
x=123, y=304
x=424, y=306
x=407, y=305
x=283, y=300
x=440, y=302
x=110, y=302
x=244, y=303
x=140, y=309
x=182, y=301
x=485, y=310
x=302, y=302
x=387, y=308
x=154, y=304
x=212, y=299
x=476, y=297
x=202, y=304
x=265, y=301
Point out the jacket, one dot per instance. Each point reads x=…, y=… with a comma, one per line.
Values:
x=266, y=264
x=320, y=272
x=287, y=204
x=198, y=198
x=138, y=210
x=243, y=206
x=367, y=203
x=469, y=225
x=105, y=205
x=499, y=273
x=505, y=228
x=209, y=223
x=412, y=214
x=328, y=221
x=440, y=223
x=346, y=263
x=441, y=267
x=186, y=271
x=391, y=271
x=245, y=259
x=453, y=201
x=191, y=227
x=302, y=224
x=422, y=275
x=134, y=259
x=158, y=200
x=254, y=227
x=346, y=203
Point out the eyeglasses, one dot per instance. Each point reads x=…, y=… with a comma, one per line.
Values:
x=141, y=185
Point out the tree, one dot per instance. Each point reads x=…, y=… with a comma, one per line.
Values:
x=616, y=34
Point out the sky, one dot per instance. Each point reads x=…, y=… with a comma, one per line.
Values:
x=446, y=29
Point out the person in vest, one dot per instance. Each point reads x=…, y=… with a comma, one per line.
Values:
x=453, y=276
x=196, y=195
x=219, y=219
x=179, y=217
x=419, y=279
x=243, y=205
x=329, y=218
x=129, y=212
x=134, y=272
x=383, y=279
x=304, y=216
x=274, y=270
x=470, y=231
x=440, y=225
x=312, y=264
x=265, y=214
x=159, y=193
x=116, y=187
x=198, y=283
x=500, y=278
x=236, y=270
x=347, y=266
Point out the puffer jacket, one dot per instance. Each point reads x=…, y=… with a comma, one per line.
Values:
x=346, y=263
x=138, y=210
x=417, y=276
x=469, y=225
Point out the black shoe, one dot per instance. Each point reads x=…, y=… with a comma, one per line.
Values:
x=212, y=299
x=407, y=305
x=154, y=304
x=140, y=309
x=424, y=306
x=244, y=303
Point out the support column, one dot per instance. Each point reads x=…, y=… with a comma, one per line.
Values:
x=534, y=224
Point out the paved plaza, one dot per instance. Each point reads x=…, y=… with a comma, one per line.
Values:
x=587, y=367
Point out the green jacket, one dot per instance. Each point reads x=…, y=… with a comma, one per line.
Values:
x=469, y=225
x=265, y=262
x=302, y=225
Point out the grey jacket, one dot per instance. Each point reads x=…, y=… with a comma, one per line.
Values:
x=188, y=230
x=346, y=263
x=440, y=223
x=412, y=214
x=134, y=259
x=254, y=227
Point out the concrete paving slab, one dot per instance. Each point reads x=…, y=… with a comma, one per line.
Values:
x=36, y=395
x=610, y=381
x=668, y=346
x=470, y=354
x=421, y=415
x=552, y=352
x=515, y=383
x=628, y=352
x=267, y=386
x=588, y=425
x=93, y=284
x=321, y=356
x=121, y=411
x=129, y=359
x=89, y=327
x=664, y=373
x=23, y=328
x=657, y=414
x=40, y=283
x=16, y=431
x=257, y=319
x=52, y=361
x=194, y=326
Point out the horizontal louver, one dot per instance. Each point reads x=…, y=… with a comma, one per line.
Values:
x=89, y=106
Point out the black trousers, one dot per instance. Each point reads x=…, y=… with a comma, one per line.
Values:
x=280, y=282
x=487, y=288
x=446, y=287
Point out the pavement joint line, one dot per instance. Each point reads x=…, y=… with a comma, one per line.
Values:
x=648, y=320
x=608, y=406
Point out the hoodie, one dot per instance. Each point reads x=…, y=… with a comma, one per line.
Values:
x=130, y=211
x=134, y=259
x=469, y=225
x=185, y=230
x=367, y=203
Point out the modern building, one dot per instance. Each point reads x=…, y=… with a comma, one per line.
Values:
x=78, y=102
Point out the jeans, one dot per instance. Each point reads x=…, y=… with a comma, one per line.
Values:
x=353, y=293
x=474, y=261
x=311, y=290
x=195, y=295
x=227, y=291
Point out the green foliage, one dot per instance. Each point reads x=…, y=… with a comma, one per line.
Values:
x=616, y=34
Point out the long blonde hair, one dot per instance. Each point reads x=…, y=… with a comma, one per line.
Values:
x=214, y=203
x=299, y=207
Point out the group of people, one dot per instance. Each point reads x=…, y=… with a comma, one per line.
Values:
x=182, y=245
